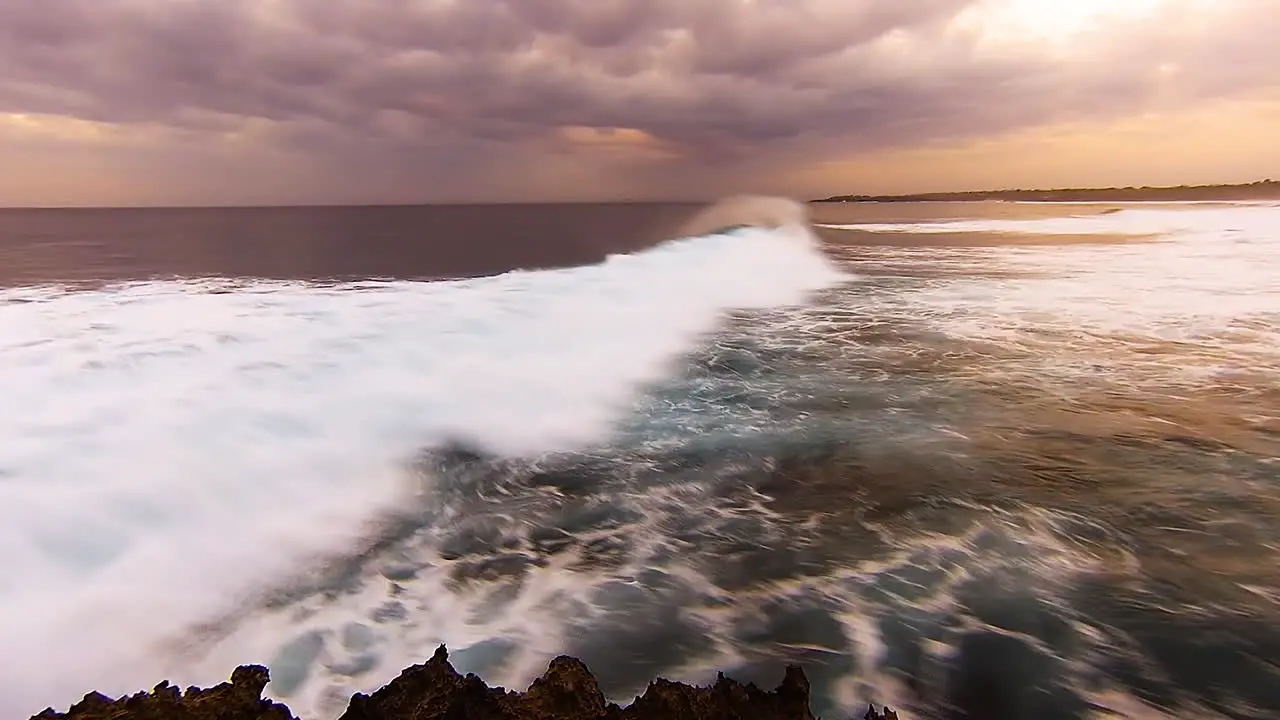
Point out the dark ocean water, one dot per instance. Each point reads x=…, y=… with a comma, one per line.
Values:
x=984, y=460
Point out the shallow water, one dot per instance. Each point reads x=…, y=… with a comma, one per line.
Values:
x=1008, y=473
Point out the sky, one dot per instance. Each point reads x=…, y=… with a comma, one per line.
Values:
x=265, y=102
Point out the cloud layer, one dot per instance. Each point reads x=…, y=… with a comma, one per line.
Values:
x=495, y=95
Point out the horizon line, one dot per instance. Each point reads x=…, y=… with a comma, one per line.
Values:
x=685, y=201
x=324, y=205
x=1077, y=189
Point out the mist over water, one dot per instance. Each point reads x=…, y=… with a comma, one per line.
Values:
x=1018, y=475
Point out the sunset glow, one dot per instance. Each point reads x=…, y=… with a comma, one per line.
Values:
x=486, y=100
x=1064, y=20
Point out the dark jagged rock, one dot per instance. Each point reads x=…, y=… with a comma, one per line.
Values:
x=568, y=691
x=240, y=699
x=872, y=714
x=726, y=699
x=435, y=691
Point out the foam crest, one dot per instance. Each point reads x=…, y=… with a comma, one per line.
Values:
x=170, y=446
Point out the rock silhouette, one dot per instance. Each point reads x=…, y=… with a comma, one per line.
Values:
x=435, y=691
x=239, y=699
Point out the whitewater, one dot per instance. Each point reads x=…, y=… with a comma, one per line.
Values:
x=1029, y=463
x=171, y=448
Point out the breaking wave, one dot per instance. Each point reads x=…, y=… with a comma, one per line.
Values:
x=1001, y=480
x=181, y=445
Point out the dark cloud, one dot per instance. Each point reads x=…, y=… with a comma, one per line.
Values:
x=715, y=81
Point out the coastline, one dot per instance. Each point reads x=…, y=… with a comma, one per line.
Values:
x=1262, y=190
x=434, y=689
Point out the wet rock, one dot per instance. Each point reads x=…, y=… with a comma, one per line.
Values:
x=568, y=691
x=239, y=699
x=726, y=699
x=434, y=690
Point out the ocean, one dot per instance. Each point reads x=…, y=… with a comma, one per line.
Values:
x=991, y=460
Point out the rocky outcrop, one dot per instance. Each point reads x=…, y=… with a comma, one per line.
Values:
x=435, y=691
x=240, y=699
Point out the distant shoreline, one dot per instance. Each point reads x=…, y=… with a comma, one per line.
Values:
x=1261, y=190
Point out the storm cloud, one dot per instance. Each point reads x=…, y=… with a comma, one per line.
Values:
x=441, y=92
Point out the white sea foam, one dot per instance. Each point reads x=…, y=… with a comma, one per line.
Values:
x=1213, y=266
x=1210, y=278
x=166, y=447
x=169, y=446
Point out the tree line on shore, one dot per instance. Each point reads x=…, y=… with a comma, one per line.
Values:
x=1260, y=190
